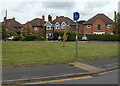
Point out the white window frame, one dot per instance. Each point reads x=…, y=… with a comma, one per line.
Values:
x=63, y=25
x=35, y=28
x=57, y=25
x=89, y=26
x=49, y=27
x=109, y=26
x=48, y=34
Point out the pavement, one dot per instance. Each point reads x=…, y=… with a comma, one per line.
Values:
x=39, y=72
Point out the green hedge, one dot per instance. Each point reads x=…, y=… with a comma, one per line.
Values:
x=106, y=37
x=34, y=37
x=72, y=35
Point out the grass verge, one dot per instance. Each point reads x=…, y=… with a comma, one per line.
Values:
x=43, y=53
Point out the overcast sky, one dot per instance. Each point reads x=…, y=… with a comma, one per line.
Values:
x=26, y=10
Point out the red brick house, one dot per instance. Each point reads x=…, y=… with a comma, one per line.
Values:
x=58, y=25
x=99, y=24
x=35, y=26
x=12, y=25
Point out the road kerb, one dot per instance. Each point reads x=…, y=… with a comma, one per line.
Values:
x=21, y=81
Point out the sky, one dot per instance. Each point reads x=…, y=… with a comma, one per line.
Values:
x=26, y=10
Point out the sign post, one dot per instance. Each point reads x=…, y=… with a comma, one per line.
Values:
x=76, y=17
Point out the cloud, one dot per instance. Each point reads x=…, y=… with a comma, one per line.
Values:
x=23, y=6
x=58, y=5
x=92, y=5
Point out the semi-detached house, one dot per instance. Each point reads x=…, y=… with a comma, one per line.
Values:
x=99, y=24
x=35, y=26
x=12, y=25
x=59, y=24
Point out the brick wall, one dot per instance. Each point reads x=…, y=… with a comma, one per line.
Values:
x=95, y=26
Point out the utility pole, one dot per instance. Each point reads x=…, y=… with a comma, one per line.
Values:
x=76, y=40
x=5, y=23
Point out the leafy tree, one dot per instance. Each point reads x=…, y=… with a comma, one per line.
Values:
x=4, y=32
x=44, y=31
x=27, y=30
x=65, y=35
x=116, y=25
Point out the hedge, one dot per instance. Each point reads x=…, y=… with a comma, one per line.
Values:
x=72, y=35
x=106, y=37
x=34, y=37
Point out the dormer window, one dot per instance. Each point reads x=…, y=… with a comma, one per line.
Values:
x=57, y=26
x=48, y=27
x=63, y=25
x=109, y=26
x=89, y=26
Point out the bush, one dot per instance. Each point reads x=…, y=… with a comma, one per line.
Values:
x=29, y=38
x=34, y=37
x=17, y=38
x=106, y=37
x=72, y=36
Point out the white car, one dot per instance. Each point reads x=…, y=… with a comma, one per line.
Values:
x=11, y=38
x=84, y=38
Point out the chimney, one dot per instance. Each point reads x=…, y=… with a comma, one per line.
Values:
x=5, y=18
x=115, y=16
x=43, y=20
x=49, y=18
x=56, y=16
x=14, y=18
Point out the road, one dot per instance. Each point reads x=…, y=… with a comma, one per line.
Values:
x=107, y=78
x=104, y=78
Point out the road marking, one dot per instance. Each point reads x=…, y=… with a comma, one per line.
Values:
x=43, y=82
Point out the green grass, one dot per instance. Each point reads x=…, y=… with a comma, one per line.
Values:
x=42, y=53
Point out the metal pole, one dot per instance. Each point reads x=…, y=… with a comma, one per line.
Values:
x=76, y=40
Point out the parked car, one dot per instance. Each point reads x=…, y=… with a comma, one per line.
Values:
x=11, y=38
x=84, y=38
x=53, y=38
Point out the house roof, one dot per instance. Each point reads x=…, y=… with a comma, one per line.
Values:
x=36, y=22
x=103, y=17
x=11, y=23
x=63, y=19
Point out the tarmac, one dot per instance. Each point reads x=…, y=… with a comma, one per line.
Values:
x=33, y=73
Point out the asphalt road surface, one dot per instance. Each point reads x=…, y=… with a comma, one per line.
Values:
x=110, y=78
x=107, y=78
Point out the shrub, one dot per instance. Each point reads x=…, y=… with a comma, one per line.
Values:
x=29, y=37
x=34, y=37
x=17, y=38
x=72, y=36
x=106, y=37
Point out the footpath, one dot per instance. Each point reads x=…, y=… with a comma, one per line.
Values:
x=32, y=73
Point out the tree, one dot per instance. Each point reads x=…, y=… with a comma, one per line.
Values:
x=4, y=32
x=116, y=25
x=65, y=35
x=27, y=30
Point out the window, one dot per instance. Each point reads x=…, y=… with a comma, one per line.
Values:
x=63, y=25
x=35, y=28
x=98, y=27
x=48, y=27
x=109, y=26
x=49, y=35
x=17, y=28
x=57, y=26
x=89, y=26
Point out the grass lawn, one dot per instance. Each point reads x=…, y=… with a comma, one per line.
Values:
x=42, y=53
